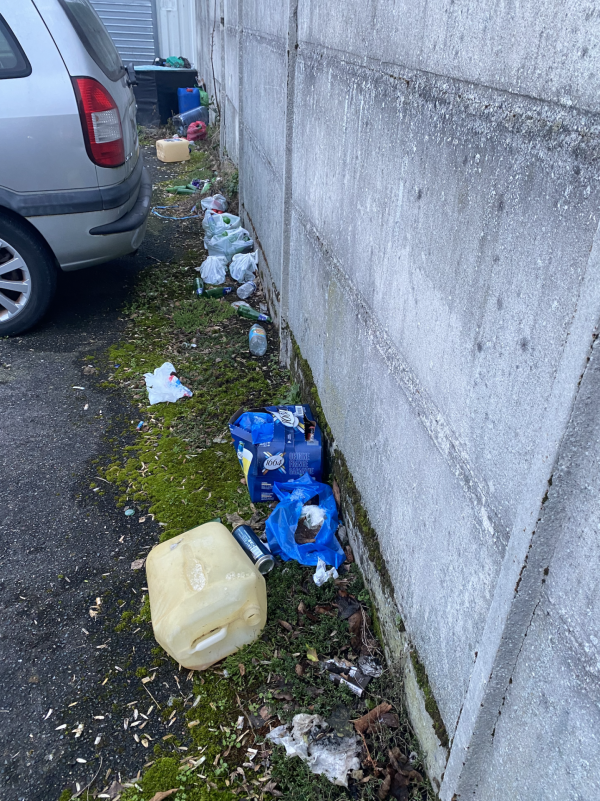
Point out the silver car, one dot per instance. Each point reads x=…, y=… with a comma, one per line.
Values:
x=73, y=188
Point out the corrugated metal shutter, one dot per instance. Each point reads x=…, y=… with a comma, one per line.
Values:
x=131, y=26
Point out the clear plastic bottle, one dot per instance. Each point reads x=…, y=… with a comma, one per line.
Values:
x=246, y=290
x=258, y=340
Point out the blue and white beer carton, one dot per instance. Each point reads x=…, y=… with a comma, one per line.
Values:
x=295, y=450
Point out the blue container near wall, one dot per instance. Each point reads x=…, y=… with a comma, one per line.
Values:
x=188, y=99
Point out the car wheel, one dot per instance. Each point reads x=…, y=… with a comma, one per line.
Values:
x=27, y=277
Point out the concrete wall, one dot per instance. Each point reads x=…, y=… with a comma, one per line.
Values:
x=422, y=180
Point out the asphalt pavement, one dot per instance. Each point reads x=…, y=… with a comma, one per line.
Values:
x=59, y=549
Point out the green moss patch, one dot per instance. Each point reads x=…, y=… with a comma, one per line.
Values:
x=430, y=703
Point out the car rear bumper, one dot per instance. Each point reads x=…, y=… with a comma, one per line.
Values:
x=83, y=240
x=134, y=219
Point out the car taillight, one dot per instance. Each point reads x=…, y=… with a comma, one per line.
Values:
x=101, y=123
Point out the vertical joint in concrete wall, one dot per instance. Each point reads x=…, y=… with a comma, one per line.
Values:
x=240, y=68
x=223, y=91
x=292, y=42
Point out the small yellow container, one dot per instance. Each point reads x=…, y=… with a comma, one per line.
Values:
x=172, y=150
x=207, y=599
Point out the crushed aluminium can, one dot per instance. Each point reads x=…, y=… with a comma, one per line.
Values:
x=257, y=551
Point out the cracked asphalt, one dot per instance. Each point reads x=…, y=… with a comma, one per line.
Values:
x=60, y=549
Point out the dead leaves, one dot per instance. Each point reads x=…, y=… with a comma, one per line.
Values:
x=138, y=564
x=285, y=625
x=363, y=725
x=165, y=794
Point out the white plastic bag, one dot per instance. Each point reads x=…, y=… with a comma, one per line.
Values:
x=229, y=243
x=244, y=266
x=213, y=270
x=217, y=202
x=163, y=386
x=313, y=516
x=214, y=224
x=322, y=575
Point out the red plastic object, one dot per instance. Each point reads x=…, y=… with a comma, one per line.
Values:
x=101, y=123
x=196, y=130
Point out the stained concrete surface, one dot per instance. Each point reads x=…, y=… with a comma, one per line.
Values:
x=61, y=545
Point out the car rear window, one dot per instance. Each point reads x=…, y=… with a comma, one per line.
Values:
x=94, y=37
x=13, y=61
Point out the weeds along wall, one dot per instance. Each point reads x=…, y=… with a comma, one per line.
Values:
x=422, y=183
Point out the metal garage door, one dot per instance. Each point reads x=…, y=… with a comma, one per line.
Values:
x=132, y=26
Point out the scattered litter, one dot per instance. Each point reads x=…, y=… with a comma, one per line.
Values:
x=138, y=564
x=228, y=243
x=322, y=575
x=257, y=340
x=86, y=407
x=216, y=203
x=343, y=672
x=140, y=425
x=173, y=149
x=245, y=290
x=244, y=310
x=295, y=450
x=129, y=512
x=244, y=266
x=283, y=521
x=165, y=217
x=188, y=623
x=214, y=223
x=48, y=713
x=214, y=270
x=79, y=388
x=370, y=666
x=164, y=386
x=311, y=738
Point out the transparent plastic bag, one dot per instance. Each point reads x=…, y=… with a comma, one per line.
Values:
x=217, y=202
x=163, y=386
x=229, y=243
x=214, y=224
x=214, y=270
x=244, y=266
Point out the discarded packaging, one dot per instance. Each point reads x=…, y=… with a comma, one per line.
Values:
x=257, y=340
x=244, y=266
x=207, y=598
x=370, y=666
x=261, y=426
x=255, y=549
x=322, y=575
x=295, y=450
x=214, y=270
x=216, y=202
x=311, y=738
x=174, y=149
x=228, y=243
x=283, y=521
x=164, y=386
x=343, y=672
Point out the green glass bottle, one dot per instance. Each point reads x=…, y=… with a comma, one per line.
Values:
x=218, y=292
x=251, y=314
x=199, y=286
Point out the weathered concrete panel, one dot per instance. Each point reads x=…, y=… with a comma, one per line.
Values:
x=547, y=49
x=428, y=533
x=264, y=95
x=547, y=738
x=262, y=205
x=469, y=245
x=267, y=18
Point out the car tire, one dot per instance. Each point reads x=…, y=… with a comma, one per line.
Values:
x=27, y=276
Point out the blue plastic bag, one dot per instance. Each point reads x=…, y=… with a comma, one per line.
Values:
x=261, y=426
x=283, y=521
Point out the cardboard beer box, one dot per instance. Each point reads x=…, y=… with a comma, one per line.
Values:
x=295, y=449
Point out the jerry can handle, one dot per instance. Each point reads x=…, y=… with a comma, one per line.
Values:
x=214, y=638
